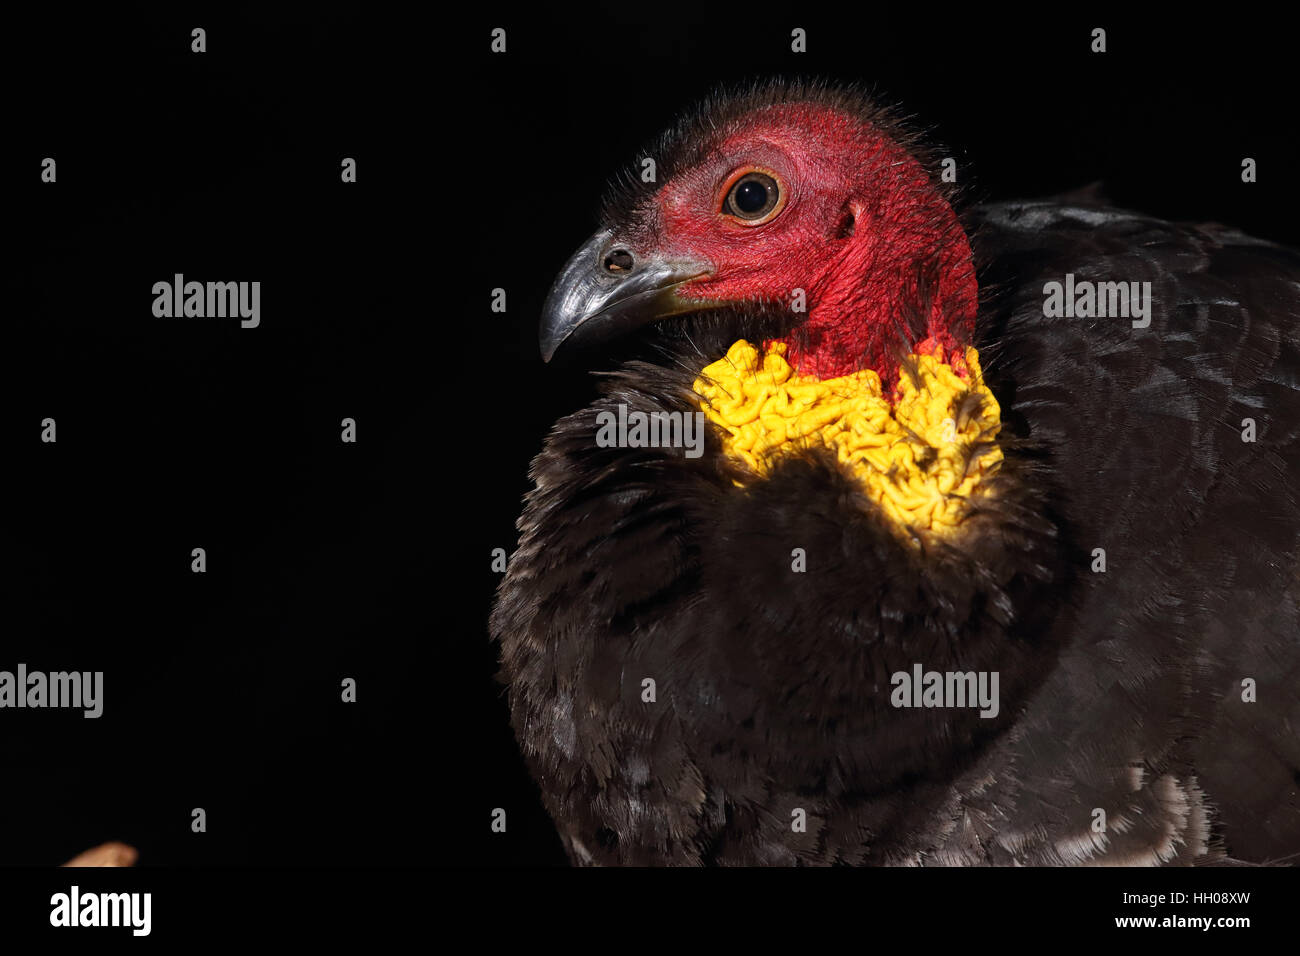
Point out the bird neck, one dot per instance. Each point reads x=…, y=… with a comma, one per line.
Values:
x=903, y=282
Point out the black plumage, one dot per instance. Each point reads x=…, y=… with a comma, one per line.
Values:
x=1121, y=691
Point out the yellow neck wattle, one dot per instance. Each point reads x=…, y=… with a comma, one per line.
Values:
x=920, y=457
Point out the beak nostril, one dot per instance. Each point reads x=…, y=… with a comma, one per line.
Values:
x=619, y=260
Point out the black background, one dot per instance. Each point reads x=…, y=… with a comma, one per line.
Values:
x=328, y=560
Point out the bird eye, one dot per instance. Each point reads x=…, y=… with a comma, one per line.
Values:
x=754, y=198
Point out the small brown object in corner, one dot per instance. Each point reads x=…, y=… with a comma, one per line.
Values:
x=106, y=854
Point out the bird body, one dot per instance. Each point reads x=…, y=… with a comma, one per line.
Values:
x=958, y=578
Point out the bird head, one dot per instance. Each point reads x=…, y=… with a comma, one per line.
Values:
x=792, y=196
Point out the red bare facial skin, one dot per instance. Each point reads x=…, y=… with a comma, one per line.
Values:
x=860, y=227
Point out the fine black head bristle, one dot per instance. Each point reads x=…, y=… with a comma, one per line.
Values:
x=700, y=128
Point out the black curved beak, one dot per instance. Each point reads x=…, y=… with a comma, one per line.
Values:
x=605, y=290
